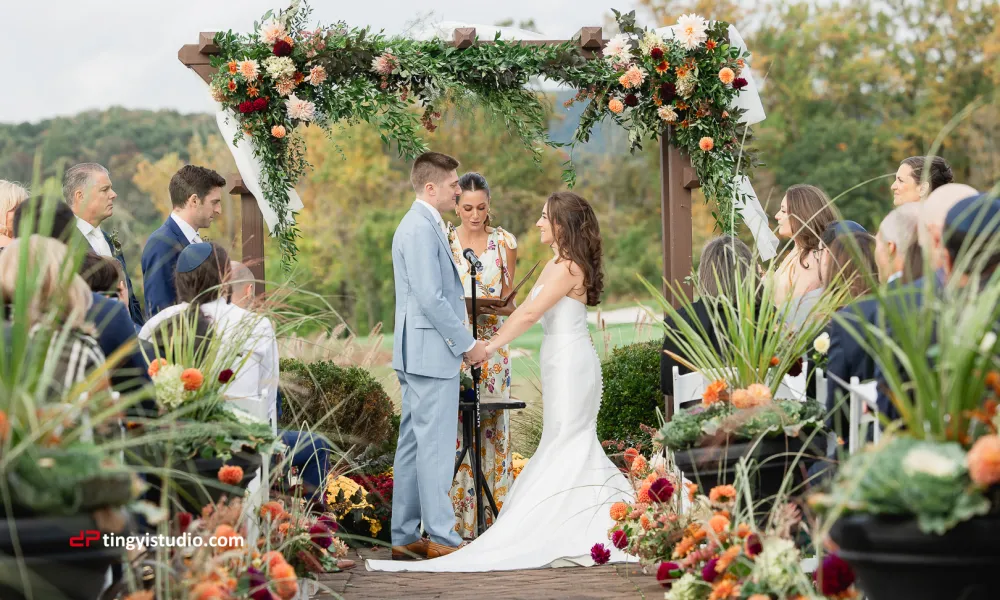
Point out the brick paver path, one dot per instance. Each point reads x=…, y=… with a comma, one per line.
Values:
x=615, y=581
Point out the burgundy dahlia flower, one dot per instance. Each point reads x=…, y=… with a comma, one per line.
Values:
x=661, y=490
x=620, y=539
x=834, y=576
x=667, y=572
x=600, y=554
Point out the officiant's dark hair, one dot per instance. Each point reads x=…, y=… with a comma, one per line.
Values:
x=192, y=179
x=204, y=283
x=939, y=173
x=474, y=182
x=578, y=237
x=430, y=167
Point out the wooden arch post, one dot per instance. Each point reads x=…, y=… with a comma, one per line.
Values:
x=677, y=177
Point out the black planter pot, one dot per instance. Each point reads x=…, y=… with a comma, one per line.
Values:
x=716, y=465
x=55, y=569
x=893, y=559
x=193, y=495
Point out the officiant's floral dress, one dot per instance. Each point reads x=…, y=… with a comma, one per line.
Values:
x=494, y=387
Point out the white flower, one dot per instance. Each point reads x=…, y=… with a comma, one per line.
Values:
x=168, y=386
x=649, y=41
x=617, y=47
x=272, y=31
x=667, y=113
x=687, y=587
x=989, y=340
x=302, y=110
x=278, y=67
x=776, y=565
x=249, y=69
x=686, y=84
x=926, y=461
x=692, y=31
x=822, y=343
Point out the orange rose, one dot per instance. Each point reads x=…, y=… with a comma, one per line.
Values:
x=618, y=511
x=706, y=144
x=154, y=367
x=984, y=461
x=278, y=131
x=231, y=474
x=726, y=75
x=616, y=106
x=192, y=379
x=630, y=456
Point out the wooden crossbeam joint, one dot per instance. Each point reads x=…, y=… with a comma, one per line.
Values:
x=690, y=179
x=206, y=43
x=591, y=38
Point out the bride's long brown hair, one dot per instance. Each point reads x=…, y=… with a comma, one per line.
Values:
x=578, y=236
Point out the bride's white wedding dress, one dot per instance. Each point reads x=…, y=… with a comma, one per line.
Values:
x=558, y=507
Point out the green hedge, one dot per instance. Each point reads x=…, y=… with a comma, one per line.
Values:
x=360, y=412
x=631, y=392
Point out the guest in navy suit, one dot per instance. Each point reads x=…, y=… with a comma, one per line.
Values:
x=87, y=190
x=196, y=196
x=111, y=318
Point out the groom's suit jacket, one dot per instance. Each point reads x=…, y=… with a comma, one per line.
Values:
x=430, y=335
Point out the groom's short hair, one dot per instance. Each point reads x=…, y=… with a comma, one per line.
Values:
x=431, y=167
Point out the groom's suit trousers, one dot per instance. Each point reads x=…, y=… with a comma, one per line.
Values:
x=425, y=460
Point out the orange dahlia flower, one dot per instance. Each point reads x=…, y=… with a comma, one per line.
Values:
x=619, y=510
x=726, y=75
x=192, y=379
x=718, y=523
x=706, y=144
x=713, y=392
x=231, y=474
x=616, y=106
x=154, y=367
x=722, y=494
x=984, y=461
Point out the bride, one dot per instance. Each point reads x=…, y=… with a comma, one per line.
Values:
x=557, y=508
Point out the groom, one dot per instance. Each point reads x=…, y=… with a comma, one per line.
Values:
x=429, y=341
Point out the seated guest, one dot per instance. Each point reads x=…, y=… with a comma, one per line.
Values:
x=53, y=294
x=909, y=185
x=897, y=235
x=242, y=285
x=115, y=328
x=104, y=276
x=11, y=196
x=201, y=274
x=804, y=215
x=804, y=308
x=725, y=263
x=87, y=190
x=196, y=196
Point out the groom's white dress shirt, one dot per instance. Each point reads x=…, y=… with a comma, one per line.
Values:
x=444, y=229
x=189, y=232
x=95, y=237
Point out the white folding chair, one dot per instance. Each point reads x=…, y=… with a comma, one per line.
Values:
x=793, y=388
x=687, y=388
x=821, y=384
x=862, y=395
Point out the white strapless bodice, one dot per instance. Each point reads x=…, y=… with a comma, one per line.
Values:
x=567, y=317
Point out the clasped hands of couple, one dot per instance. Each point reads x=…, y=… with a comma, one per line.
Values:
x=479, y=354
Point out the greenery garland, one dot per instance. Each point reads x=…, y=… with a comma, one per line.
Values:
x=282, y=75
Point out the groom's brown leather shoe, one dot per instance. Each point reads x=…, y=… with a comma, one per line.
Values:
x=417, y=549
x=435, y=550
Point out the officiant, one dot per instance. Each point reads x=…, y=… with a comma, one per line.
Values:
x=497, y=251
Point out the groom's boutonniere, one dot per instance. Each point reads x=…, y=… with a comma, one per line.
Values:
x=116, y=245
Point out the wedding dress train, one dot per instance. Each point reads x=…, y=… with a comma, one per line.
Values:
x=558, y=507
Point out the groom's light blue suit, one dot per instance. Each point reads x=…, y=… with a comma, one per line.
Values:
x=429, y=339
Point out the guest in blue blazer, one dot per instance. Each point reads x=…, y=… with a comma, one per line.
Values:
x=196, y=197
x=87, y=190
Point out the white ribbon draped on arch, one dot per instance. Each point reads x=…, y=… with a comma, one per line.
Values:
x=749, y=99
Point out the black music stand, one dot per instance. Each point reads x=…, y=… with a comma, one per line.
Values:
x=472, y=431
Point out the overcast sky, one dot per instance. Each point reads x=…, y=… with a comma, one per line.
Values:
x=59, y=57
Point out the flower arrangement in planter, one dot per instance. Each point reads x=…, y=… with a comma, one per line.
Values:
x=308, y=541
x=199, y=432
x=918, y=515
x=352, y=506
x=701, y=549
x=229, y=566
x=380, y=496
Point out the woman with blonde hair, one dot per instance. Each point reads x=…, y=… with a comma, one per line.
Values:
x=11, y=196
x=57, y=303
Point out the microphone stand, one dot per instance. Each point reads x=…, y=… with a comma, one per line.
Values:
x=477, y=457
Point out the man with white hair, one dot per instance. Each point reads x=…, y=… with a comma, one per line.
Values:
x=87, y=190
x=242, y=285
x=896, y=236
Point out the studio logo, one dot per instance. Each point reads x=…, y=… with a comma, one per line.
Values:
x=83, y=540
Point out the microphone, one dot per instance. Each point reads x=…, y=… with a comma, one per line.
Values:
x=470, y=255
